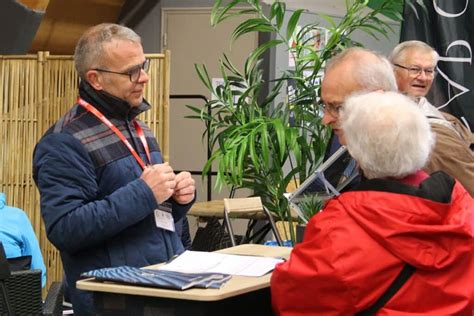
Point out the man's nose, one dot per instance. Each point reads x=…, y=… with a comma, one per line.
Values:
x=328, y=118
x=144, y=77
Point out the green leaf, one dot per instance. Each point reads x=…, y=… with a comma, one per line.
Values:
x=203, y=75
x=328, y=19
x=251, y=25
x=265, y=149
x=369, y=30
x=208, y=165
x=393, y=8
x=253, y=151
x=293, y=21
x=259, y=51
x=277, y=10
x=229, y=65
x=274, y=92
x=273, y=9
x=217, y=13
x=242, y=155
x=280, y=132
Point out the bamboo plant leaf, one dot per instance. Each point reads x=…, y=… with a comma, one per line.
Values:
x=251, y=25
x=277, y=11
x=203, y=75
x=292, y=22
x=253, y=151
x=218, y=13
x=328, y=19
x=253, y=132
x=242, y=154
x=281, y=140
x=259, y=51
x=264, y=145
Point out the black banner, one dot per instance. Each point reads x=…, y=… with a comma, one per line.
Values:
x=447, y=26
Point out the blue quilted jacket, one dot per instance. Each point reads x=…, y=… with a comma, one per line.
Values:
x=96, y=210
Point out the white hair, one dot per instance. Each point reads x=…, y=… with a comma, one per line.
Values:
x=398, y=54
x=386, y=133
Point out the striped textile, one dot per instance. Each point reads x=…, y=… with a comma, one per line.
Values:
x=159, y=278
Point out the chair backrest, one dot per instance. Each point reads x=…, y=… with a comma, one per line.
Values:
x=20, y=291
x=249, y=206
x=4, y=266
x=20, y=263
x=24, y=291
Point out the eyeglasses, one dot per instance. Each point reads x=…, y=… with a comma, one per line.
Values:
x=416, y=71
x=134, y=73
x=334, y=110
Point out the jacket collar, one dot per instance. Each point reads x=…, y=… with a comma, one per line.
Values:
x=110, y=105
x=438, y=187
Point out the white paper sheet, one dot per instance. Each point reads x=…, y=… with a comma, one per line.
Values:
x=200, y=262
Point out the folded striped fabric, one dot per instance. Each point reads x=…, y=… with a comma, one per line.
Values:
x=159, y=278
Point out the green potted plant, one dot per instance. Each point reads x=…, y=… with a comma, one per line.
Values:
x=252, y=136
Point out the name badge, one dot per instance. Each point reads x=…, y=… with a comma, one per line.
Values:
x=164, y=218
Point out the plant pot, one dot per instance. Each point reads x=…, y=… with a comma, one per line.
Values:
x=300, y=229
x=283, y=229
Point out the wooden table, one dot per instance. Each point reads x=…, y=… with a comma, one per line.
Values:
x=239, y=296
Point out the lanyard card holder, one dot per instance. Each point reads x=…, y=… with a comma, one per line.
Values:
x=164, y=217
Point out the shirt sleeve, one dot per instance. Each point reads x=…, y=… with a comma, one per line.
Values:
x=74, y=217
x=180, y=210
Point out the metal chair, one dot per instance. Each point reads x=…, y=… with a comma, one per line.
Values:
x=20, y=292
x=253, y=209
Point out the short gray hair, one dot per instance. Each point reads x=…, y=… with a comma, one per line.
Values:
x=372, y=70
x=386, y=133
x=89, y=52
x=399, y=51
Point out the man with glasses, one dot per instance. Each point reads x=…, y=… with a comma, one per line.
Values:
x=414, y=65
x=354, y=70
x=107, y=198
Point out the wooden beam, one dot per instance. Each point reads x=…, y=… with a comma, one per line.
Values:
x=39, y=5
x=65, y=21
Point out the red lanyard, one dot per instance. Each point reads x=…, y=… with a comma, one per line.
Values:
x=109, y=124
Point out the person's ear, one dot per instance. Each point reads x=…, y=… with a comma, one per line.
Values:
x=94, y=79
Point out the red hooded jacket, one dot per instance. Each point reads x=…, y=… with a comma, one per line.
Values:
x=359, y=243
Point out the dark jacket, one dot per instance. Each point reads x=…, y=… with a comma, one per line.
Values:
x=362, y=239
x=96, y=210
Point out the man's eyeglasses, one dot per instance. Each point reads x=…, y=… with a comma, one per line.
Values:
x=134, y=73
x=416, y=71
x=334, y=110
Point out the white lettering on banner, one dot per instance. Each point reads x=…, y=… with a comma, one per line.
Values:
x=456, y=60
x=446, y=14
x=454, y=84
